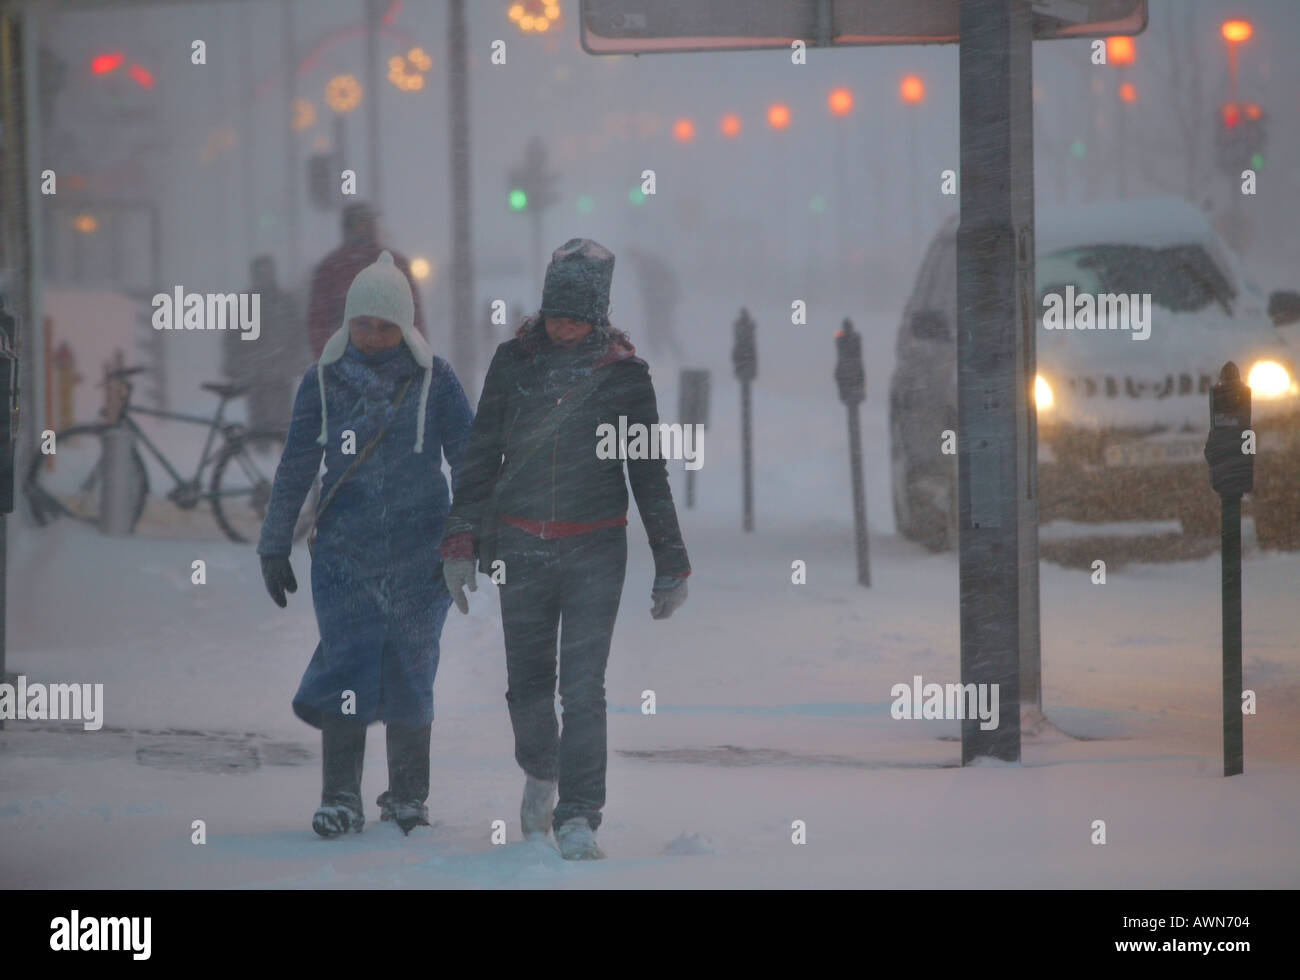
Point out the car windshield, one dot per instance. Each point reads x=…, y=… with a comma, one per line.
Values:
x=1182, y=279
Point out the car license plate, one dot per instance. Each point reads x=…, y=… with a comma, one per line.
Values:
x=1154, y=453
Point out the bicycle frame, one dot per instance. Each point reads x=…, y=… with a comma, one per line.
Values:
x=214, y=426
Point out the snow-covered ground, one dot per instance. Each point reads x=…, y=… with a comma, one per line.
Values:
x=772, y=703
x=772, y=706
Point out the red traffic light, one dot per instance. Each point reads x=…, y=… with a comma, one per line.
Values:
x=142, y=75
x=102, y=64
x=1231, y=114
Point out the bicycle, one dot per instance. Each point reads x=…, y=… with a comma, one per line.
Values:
x=67, y=482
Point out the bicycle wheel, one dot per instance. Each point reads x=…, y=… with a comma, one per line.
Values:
x=241, y=486
x=68, y=482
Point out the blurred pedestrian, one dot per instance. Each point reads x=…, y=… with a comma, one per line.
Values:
x=335, y=272
x=267, y=368
x=660, y=294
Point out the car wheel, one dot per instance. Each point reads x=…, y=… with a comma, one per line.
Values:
x=924, y=497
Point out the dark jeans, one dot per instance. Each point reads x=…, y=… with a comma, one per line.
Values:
x=568, y=587
x=343, y=749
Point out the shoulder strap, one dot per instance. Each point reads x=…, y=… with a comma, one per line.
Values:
x=362, y=456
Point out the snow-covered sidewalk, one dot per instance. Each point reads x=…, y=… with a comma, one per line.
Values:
x=772, y=706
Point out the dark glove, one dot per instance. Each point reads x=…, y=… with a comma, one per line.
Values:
x=667, y=593
x=277, y=573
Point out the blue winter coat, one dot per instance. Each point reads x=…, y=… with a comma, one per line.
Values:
x=376, y=577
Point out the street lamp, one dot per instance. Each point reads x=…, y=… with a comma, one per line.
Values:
x=1234, y=33
x=534, y=15
x=343, y=93
x=912, y=91
x=840, y=102
x=730, y=125
x=1120, y=50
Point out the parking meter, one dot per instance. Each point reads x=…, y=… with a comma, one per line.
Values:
x=1232, y=472
x=850, y=376
x=693, y=400
x=744, y=352
x=744, y=359
x=693, y=410
x=8, y=403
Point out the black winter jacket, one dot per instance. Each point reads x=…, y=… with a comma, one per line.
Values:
x=566, y=481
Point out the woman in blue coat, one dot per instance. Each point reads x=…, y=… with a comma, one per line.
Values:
x=376, y=579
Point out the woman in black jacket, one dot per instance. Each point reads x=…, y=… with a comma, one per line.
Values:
x=536, y=496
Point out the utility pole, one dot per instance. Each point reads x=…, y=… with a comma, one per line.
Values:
x=374, y=10
x=292, y=254
x=463, y=349
x=997, y=459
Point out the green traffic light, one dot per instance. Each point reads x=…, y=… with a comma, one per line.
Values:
x=585, y=204
x=1257, y=162
x=817, y=205
x=518, y=199
x=1077, y=148
x=635, y=196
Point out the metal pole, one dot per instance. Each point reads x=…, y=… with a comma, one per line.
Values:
x=536, y=229
x=747, y=464
x=4, y=599
x=373, y=10
x=292, y=257
x=463, y=350
x=249, y=181
x=1232, y=72
x=690, y=489
x=117, y=483
x=1230, y=558
x=1121, y=135
x=859, y=497
x=996, y=460
x=916, y=174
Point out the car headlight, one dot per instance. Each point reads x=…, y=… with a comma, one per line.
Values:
x=1269, y=379
x=1042, y=393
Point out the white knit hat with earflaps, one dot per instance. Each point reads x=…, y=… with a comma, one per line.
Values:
x=380, y=290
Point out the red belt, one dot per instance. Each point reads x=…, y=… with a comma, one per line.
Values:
x=562, y=529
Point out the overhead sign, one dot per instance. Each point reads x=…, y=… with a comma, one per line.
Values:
x=654, y=26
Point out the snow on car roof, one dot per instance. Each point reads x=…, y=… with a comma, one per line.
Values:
x=1154, y=222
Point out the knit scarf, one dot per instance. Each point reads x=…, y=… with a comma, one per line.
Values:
x=372, y=381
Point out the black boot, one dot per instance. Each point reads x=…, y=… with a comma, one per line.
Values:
x=343, y=750
x=408, y=776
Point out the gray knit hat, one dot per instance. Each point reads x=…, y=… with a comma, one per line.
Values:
x=578, y=281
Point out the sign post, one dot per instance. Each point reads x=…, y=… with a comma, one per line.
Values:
x=693, y=407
